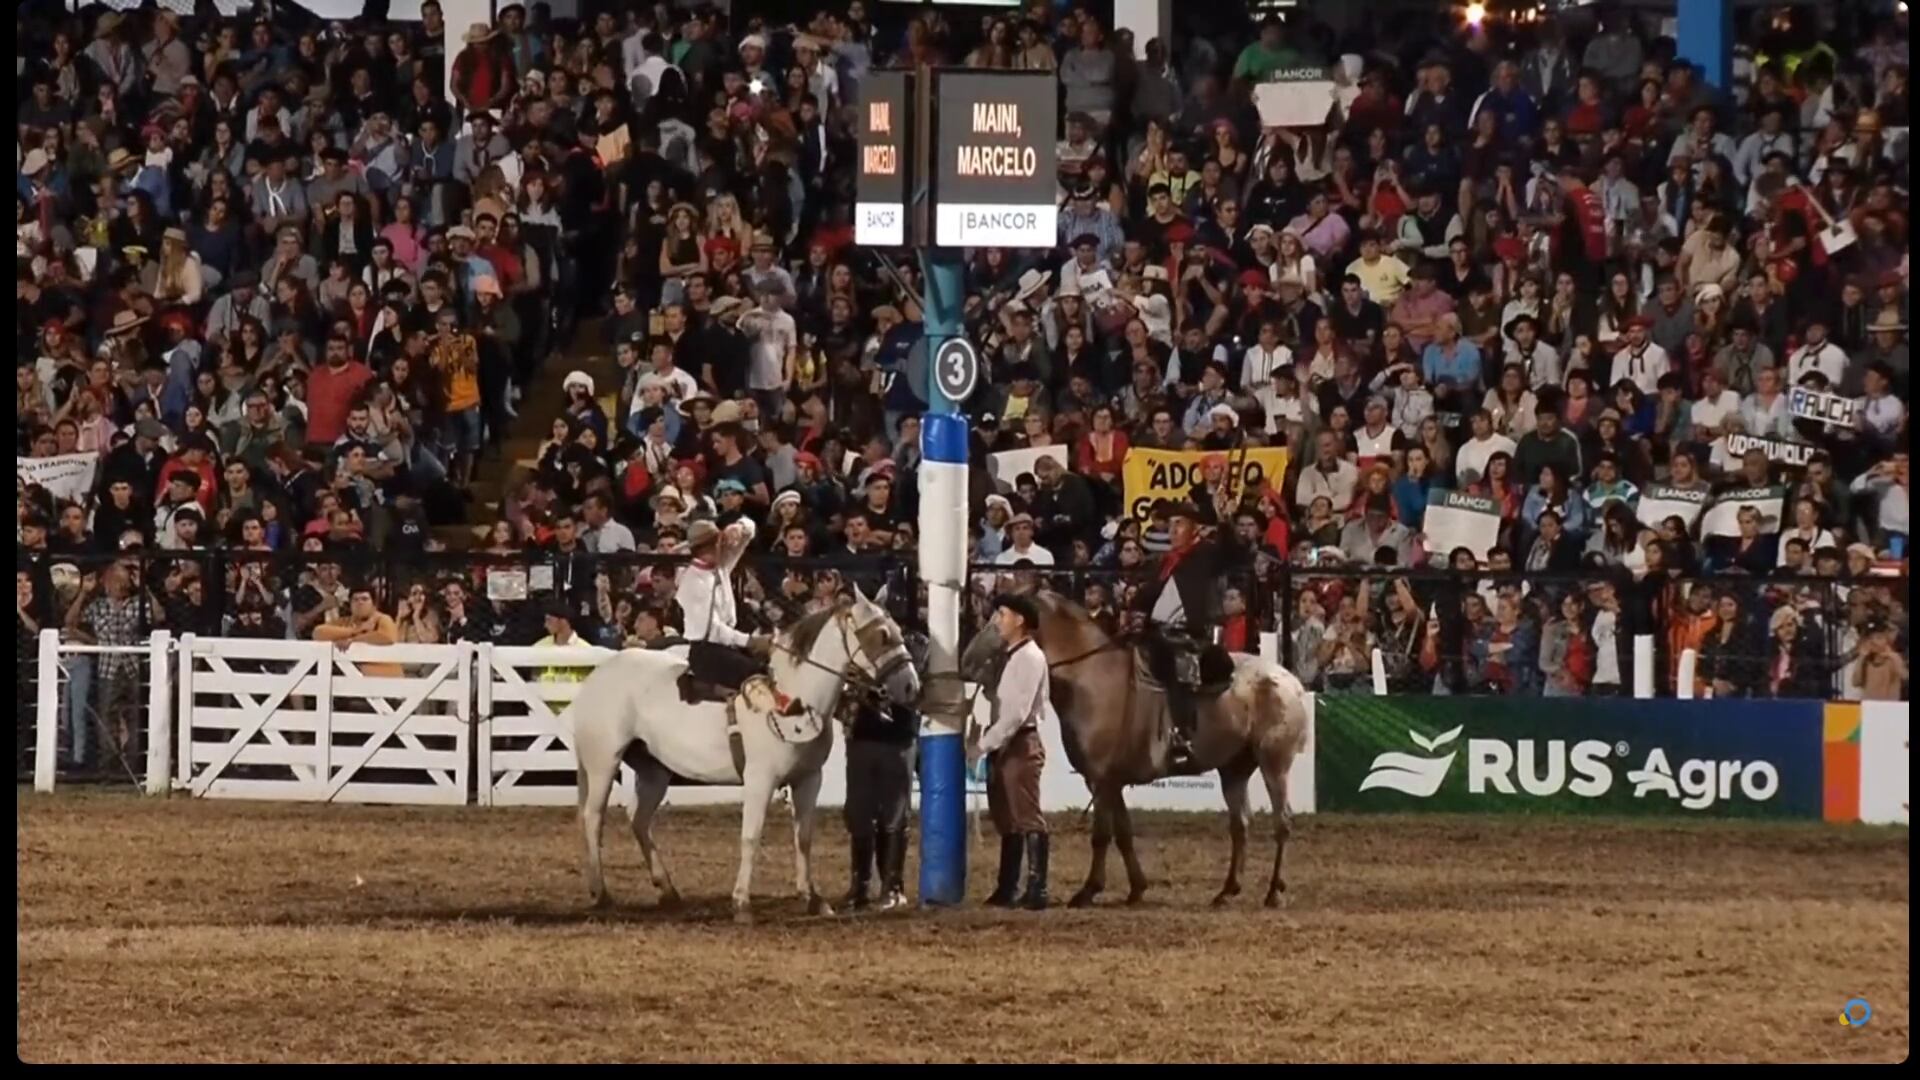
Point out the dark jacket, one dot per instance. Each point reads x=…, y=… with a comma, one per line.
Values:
x=1197, y=577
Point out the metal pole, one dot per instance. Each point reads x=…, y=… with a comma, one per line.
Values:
x=943, y=559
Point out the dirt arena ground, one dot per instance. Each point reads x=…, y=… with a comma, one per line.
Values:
x=204, y=931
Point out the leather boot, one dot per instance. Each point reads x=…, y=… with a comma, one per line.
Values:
x=1003, y=891
x=862, y=872
x=892, y=855
x=1036, y=895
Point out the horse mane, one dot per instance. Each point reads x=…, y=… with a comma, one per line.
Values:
x=802, y=634
x=1067, y=607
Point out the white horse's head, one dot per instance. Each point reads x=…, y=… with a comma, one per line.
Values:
x=877, y=647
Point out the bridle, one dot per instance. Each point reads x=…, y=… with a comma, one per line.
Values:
x=867, y=643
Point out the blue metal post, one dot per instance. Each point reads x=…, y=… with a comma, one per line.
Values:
x=943, y=558
x=1704, y=38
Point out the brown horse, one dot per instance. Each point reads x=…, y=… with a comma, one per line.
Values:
x=1115, y=730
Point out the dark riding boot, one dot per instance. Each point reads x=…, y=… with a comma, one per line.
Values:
x=1036, y=895
x=892, y=854
x=1009, y=883
x=862, y=872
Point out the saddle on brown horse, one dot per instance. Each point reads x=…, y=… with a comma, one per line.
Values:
x=1186, y=674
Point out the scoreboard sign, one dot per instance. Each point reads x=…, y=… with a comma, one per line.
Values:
x=995, y=172
x=886, y=153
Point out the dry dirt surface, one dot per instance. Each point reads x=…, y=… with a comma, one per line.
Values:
x=191, y=931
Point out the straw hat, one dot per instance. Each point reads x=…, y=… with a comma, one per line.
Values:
x=126, y=322
x=120, y=159
x=477, y=33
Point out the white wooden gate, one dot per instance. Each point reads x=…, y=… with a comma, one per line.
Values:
x=307, y=721
x=525, y=734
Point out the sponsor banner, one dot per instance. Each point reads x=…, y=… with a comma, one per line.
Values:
x=65, y=476
x=1007, y=465
x=1296, y=97
x=1723, y=514
x=1745, y=759
x=1806, y=404
x=1662, y=501
x=990, y=225
x=1458, y=520
x=1840, y=761
x=1151, y=475
x=880, y=224
x=1883, y=762
x=1778, y=451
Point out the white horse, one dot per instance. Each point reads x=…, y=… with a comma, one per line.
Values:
x=630, y=708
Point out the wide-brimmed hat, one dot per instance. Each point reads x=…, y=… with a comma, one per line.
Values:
x=477, y=33
x=686, y=405
x=126, y=322
x=669, y=492
x=1032, y=282
x=35, y=160
x=727, y=412
x=120, y=158
x=1887, y=322
x=107, y=23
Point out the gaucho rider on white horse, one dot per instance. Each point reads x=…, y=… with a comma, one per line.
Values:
x=718, y=651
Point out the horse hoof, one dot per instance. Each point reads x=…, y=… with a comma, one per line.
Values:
x=742, y=917
x=817, y=905
x=1225, y=897
x=670, y=901
x=1136, y=897
x=603, y=902
x=1081, y=899
x=1276, y=899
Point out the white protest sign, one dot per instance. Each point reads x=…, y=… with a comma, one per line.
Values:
x=65, y=476
x=1807, y=404
x=1662, y=501
x=1457, y=520
x=1007, y=465
x=1723, y=517
x=1778, y=451
x=1295, y=98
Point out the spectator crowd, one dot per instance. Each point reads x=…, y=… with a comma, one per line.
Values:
x=289, y=295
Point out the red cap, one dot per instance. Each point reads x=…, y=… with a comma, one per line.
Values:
x=806, y=457
x=1645, y=322
x=720, y=243
x=1253, y=279
x=1179, y=232
x=1509, y=247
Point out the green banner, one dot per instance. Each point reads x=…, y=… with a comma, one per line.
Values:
x=1569, y=756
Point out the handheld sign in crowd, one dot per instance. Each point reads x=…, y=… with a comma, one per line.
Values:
x=996, y=159
x=1008, y=465
x=886, y=155
x=1295, y=97
x=1778, y=451
x=1807, y=404
x=1723, y=516
x=1458, y=520
x=1662, y=501
x=68, y=477
x=1152, y=475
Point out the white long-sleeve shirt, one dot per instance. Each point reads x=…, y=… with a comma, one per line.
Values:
x=1642, y=367
x=1023, y=698
x=1826, y=358
x=705, y=593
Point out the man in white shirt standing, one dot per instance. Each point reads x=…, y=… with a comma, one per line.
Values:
x=718, y=651
x=774, y=351
x=1817, y=353
x=1640, y=361
x=1015, y=754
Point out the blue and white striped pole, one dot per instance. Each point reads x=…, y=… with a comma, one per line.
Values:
x=943, y=566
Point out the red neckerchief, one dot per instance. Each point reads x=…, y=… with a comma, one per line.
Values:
x=1174, y=558
x=702, y=563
